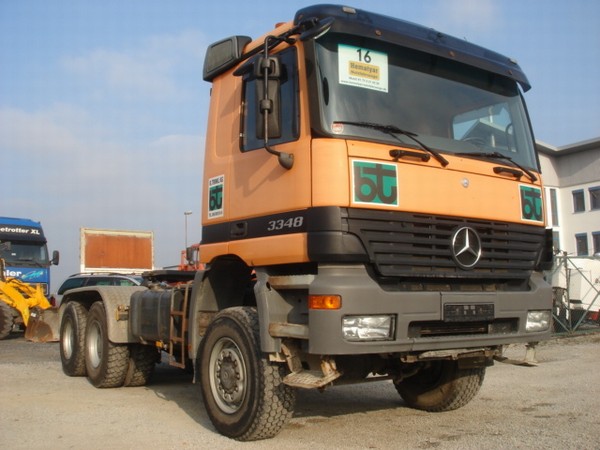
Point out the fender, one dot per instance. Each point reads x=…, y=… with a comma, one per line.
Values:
x=222, y=285
x=116, y=301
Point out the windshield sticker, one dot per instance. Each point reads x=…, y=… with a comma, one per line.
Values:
x=374, y=183
x=337, y=128
x=363, y=68
x=215, y=196
x=531, y=203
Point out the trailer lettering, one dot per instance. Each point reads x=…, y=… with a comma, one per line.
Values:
x=13, y=273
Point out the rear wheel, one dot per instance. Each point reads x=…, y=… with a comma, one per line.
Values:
x=441, y=386
x=106, y=363
x=6, y=319
x=243, y=392
x=142, y=359
x=72, y=339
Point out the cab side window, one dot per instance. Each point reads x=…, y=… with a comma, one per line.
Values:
x=249, y=136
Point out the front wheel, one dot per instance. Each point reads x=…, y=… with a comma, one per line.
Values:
x=244, y=393
x=441, y=386
x=106, y=363
x=7, y=319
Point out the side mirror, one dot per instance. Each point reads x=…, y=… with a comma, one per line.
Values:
x=55, y=258
x=269, y=103
x=190, y=254
x=268, y=74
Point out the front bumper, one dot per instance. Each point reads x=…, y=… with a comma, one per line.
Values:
x=422, y=310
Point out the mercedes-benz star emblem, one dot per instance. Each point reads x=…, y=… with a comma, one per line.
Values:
x=466, y=247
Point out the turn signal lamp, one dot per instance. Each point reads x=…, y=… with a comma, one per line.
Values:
x=324, y=301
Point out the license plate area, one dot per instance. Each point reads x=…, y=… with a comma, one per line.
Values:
x=468, y=312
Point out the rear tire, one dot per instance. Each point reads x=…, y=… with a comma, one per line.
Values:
x=106, y=363
x=442, y=386
x=244, y=394
x=142, y=359
x=72, y=339
x=6, y=319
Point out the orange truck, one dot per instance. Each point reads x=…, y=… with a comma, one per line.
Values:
x=373, y=210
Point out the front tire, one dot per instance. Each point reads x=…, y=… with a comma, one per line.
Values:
x=6, y=319
x=72, y=339
x=441, y=386
x=106, y=363
x=244, y=393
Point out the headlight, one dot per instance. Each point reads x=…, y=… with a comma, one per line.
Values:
x=538, y=321
x=368, y=328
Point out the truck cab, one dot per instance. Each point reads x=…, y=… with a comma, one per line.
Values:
x=25, y=253
x=413, y=170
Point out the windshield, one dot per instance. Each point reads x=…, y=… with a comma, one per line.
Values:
x=24, y=254
x=451, y=107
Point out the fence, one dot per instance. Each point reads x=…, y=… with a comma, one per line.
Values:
x=576, y=288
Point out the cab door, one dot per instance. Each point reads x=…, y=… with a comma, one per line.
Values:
x=267, y=202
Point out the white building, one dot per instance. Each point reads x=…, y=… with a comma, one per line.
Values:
x=572, y=178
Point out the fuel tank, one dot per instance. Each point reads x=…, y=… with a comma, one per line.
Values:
x=150, y=314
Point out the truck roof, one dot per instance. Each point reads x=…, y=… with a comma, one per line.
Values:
x=18, y=221
x=12, y=228
x=418, y=37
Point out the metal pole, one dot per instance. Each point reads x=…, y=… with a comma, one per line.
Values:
x=186, y=214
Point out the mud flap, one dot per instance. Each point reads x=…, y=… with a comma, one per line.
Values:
x=43, y=325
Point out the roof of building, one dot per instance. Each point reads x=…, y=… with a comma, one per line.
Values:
x=589, y=144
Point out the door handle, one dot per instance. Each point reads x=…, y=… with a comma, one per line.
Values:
x=239, y=230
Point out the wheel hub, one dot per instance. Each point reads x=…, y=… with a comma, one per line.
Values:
x=68, y=340
x=94, y=345
x=229, y=376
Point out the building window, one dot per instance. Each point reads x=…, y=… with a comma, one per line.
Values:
x=582, y=244
x=596, y=242
x=595, y=197
x=555, y=240
x=578, y=201
x=554, y=207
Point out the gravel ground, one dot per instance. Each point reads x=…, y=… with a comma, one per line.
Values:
x=555, y=405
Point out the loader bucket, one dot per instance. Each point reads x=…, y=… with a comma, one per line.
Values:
x=43, y=325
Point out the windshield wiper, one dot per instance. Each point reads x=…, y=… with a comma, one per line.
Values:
x=498, y=155
x=394, y=131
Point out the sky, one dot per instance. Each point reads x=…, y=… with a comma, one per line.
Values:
x=103, y=108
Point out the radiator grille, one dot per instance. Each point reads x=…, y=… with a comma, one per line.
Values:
x=419, y=247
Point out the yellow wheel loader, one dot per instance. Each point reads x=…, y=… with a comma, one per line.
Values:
x=26, y=304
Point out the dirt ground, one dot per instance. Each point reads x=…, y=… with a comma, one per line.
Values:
x=555, y=405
